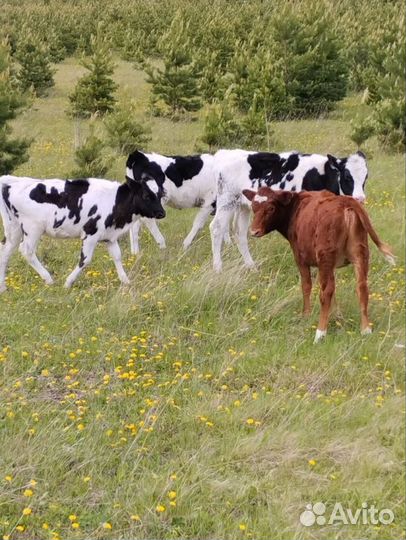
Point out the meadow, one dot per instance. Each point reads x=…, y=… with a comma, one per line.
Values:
x=191, y=404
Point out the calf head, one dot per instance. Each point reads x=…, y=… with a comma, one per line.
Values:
x=146, y=198
x=352, y=174
x=142, y=169
x=270, y=209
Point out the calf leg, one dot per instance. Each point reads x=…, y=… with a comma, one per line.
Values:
x=242, y=225
x=306, y=279
x=13, y=237
x=88, y=246
x=361, y=273
x=327, y=288
x=115, y=253
x=217, y=229
x=198, y=223
x=27, y=250
x=134, y=237
x=154, y=230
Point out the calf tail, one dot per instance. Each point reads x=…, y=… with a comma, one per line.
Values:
x=366, y=222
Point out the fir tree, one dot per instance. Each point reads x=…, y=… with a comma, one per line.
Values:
x=94, y=91
x=35, y=72
x=124, y=133
x=13, y=152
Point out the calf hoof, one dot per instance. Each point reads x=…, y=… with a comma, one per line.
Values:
x=3, y=288
x=162, y=245
x=68, y=284
x=125, y=280
x=320, y=334
x=217, y=268
x=186, y=245
x=251, y=266
x=365, y=331
x=49, y=281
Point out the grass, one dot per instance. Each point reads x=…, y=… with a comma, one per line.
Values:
x=194, y=405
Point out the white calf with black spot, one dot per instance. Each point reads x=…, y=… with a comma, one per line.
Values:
x=236, y=170
x=188, y=182
x=92, y=209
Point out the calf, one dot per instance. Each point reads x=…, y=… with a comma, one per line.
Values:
x=188, y=182
x=324, y=231
x=94, y=210
x=236, y=170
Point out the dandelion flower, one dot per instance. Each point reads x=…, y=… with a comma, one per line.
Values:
x=27, y=511
x=160, y=508
x=107, y=525
x=28, y=493
x=312, y=462
x=242, y=526
x=172, y=495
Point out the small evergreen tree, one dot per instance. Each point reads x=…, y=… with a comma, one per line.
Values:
x=220, y=126
x=35, y=71
x=94, y=91
x=89, y=157
x=13, y=152
x=124, y=133
x=176, y=85
x=175, y=88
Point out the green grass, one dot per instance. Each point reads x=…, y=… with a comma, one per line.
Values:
x=201, y=384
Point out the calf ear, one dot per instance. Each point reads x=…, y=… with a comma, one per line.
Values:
x=249, y=194
x=284, y=197
x=333, y=161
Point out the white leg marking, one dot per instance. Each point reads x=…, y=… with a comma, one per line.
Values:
x=115, y=254
x=198, y=223
x=154, y=230
x=88, y=247
x=366, y=331
x=242, y=225
x=320, y=334
x=134, y=236
x=218, y=226
x=27, y=250
x=13, y=237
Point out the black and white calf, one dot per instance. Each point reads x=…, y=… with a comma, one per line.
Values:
x=93, y=209
x=188, y=182
x=236, y=170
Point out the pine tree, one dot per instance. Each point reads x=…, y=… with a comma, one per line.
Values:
x=220, y=125
x=124, y=133
x=89, y=157
x=13, y=152
x=35, y=71
x=94, y=91
x=176, y=86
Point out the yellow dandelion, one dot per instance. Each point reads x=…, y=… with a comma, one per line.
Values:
x=86, y=479
x=75, y=525
x=160, y=508
x=242, y=526
x=20, y=528
x=135, y=517
x=8, y=478
x=172, y=495
x=28, y=493
x=107, y=525
x=73, y=517
x=45, y=526
x=27, y=511
x=6, y=537
x=173, y=476
x=250, y=421
x=312, y=462
x=33, y=483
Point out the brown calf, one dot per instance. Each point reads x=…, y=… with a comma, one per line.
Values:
x=324, y=230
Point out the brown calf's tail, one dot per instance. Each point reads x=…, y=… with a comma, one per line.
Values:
x=366, y=222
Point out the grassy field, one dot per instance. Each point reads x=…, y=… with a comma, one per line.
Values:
x=190, y=404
